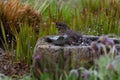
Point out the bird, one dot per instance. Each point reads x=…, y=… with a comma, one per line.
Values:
x=74, y=38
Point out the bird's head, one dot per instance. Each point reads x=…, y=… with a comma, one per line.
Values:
x=61, y=26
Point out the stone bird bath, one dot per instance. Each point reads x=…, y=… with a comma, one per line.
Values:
x=48, y=57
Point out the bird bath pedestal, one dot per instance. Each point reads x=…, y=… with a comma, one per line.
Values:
x=48, y=57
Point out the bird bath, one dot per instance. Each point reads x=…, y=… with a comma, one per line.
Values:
x=47, y=55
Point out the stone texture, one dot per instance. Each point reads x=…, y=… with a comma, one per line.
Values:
x=62, y=57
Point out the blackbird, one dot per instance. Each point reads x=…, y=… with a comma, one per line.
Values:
x=74, y=38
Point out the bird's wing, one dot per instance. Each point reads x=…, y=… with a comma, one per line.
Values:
x=73, y=34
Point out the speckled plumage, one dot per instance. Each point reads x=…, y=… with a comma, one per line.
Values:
x=63, y=29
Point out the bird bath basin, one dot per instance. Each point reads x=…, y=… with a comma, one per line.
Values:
x=48, y=57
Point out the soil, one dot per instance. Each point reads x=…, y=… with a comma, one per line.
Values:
x=8, y=68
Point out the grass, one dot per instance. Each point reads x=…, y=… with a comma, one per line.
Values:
x=94, y=17
x=84, y=16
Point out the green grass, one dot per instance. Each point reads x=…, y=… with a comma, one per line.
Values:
x=25, y=40
x=94, y=17
x=84, y=16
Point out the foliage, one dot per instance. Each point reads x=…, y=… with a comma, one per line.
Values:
x=19, y=24
x=88, y=17
x=25, y=42
x=93, y=17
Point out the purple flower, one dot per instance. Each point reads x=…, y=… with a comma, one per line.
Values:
x=95, y=47
x=103, y=39
x=85, y=75
x=110, y=43
x=110, y=67
x=37, y=57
